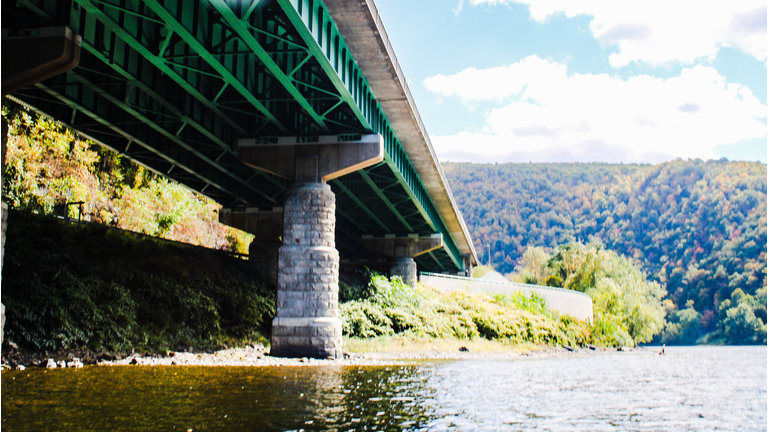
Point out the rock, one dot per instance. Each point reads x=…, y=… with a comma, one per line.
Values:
x=304, y=360
x=134, y=361
x=13, y=345
x=76, y=363
x=464, y=349
x=61, y=363
x=20, y=367
x=51, y=364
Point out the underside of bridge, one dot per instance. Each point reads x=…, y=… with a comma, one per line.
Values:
x=199, y=91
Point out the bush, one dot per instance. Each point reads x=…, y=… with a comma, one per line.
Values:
x=394, y=308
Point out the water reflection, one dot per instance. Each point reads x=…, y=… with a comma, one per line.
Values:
x=197, y=398
x=688, y=389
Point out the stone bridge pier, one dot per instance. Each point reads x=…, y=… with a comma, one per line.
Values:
x=401, y=251
x=307, y=322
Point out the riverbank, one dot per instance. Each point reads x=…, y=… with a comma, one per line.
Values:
x=370, y=352
x=100, y=295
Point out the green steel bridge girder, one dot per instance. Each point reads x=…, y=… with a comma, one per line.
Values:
x=174, y=27
x=248, y=69
x=323, y=38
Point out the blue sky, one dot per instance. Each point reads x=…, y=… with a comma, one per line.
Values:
x=579, y=80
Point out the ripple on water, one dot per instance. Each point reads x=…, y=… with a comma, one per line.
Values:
x=692, y=388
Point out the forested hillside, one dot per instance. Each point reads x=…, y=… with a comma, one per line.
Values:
x=698, y=228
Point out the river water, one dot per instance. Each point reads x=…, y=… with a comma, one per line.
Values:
x=689, y=388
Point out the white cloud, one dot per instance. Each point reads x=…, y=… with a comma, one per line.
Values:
x=457, y=9
x=658, y=32
x=547, y=115
x=495, y=83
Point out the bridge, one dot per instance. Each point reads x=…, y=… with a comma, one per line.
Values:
x=292, y=114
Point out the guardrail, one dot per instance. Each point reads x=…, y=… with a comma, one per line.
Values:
x=493, y=282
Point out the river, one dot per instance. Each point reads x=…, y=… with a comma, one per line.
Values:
x=689, y=388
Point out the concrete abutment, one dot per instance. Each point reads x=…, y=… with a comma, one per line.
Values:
x=263, y=256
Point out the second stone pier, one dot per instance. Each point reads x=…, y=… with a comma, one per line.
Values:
x=307, y=323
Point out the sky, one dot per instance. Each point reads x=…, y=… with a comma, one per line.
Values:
x=585, y=80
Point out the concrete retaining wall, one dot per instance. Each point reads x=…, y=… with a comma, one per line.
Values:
x=566, y=302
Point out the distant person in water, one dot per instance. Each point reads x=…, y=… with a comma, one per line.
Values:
x=662, y=349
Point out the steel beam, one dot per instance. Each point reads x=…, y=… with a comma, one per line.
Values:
x=303, y=24
x=362, y=205
x=384, y=198
x=240, y=28
x=169, y=135
x=162, y=65
x=212, y=61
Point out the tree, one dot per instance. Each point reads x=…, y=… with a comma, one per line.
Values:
x=627, y=306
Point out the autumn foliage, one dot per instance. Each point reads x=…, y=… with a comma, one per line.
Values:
x=48, y=166
x=696, y=227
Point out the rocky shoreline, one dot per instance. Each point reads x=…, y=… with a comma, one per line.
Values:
x=257, y=356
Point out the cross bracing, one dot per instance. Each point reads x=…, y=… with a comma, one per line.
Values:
x=174, y=85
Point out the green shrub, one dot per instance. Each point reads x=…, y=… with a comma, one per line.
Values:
x=394, y=308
